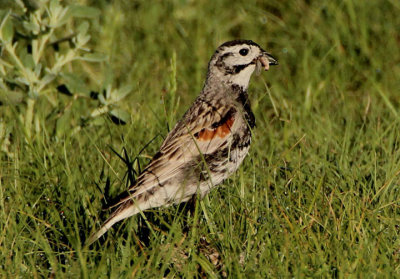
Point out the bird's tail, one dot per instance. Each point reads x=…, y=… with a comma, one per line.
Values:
x=125, y=210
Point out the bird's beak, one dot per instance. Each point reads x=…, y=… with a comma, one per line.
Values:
x=266, y=60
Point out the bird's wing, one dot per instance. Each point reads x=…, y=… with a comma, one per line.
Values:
x=203, y=129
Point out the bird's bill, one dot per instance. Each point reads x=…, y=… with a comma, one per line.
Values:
x=266, y=60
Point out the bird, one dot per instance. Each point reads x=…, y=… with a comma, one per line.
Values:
x=208, y=144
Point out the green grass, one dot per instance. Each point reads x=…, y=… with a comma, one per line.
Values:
x=318, y=195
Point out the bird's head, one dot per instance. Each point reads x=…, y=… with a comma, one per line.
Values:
x=235, y=61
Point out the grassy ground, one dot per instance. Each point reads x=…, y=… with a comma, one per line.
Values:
x=318, y=195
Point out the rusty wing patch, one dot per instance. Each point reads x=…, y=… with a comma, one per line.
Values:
x=218, y=130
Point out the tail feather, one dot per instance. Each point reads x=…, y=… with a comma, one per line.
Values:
x=124, y=211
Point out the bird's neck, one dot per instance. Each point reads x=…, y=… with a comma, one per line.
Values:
x=231, y=92
x=218, y=84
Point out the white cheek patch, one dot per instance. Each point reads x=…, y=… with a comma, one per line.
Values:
x=234, y=60
x=243, y=78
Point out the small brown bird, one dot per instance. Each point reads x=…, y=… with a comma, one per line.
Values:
x=208, y=144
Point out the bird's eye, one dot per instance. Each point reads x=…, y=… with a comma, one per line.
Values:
x=243, y=51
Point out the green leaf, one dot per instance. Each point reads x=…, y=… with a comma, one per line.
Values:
x=120, y=116
x=33, y=27
x=11, y=97
x=54, y=6
x=33, y=94
x=75, y=84
x=121, y=93
x=102, y=99
x=38, y=69
x=98, y=121
x=108, y=77
x=65, y=16
x=83, y=27
x=6, y=29
x=47, y=79
x=81, y=40
x=94, y=57
x=63, y=123
x=84, y=11
x=28, y=62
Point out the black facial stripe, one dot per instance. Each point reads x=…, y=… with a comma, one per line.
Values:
x=238, y=68
x=223, y=56
x=230, y=70
x=220, y=62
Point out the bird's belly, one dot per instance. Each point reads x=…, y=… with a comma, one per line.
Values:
x=222, y=164
x=206, y=171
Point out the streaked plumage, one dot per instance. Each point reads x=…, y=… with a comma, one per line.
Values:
x=208, y=144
